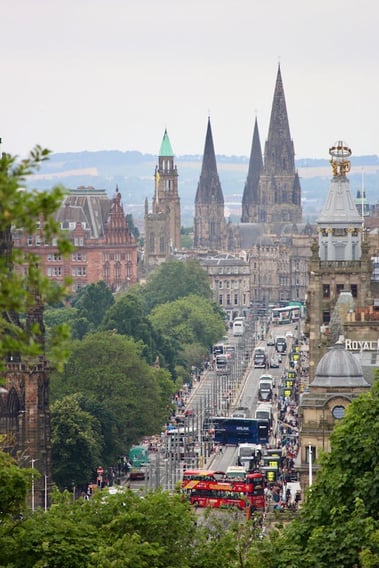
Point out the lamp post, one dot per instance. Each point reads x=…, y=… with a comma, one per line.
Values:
x=33, y=502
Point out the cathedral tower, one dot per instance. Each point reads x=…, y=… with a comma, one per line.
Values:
x=279, y=194
x=209, y=222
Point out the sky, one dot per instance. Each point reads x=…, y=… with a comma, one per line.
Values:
x=91, y=75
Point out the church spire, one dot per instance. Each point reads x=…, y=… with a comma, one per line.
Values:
x=279, y=191
x=209, y=187
x=279, y=150
x=250, y=193
x=209, y=222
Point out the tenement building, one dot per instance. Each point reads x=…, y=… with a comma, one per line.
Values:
x=104, y=248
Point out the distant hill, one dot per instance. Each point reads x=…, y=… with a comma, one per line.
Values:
x=133, y=173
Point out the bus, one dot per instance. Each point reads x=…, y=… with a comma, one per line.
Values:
x=265, y=388
x=222, y=364
x=241, y=493
x=138, y=459
x=238, y=327
x=264, y=412
x=285, y=315
x=249, y=456
x=281, y=344
x=229, y=430
x=200, y=478
x=259, y=358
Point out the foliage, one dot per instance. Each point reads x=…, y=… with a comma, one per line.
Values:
x=127, y=317
x=122, y=530
x=25, y=294
x=338, y=524
x=14, y=485
x=176, y=279
x=92, y=302
x=132, y=227
x=76, y=442
x=190, y=320
x=117, y=387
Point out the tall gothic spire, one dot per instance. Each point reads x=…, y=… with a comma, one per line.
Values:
x=209, y=222
x=279, y=150
x=209, y=187
x=250, y=193
x=279, y=191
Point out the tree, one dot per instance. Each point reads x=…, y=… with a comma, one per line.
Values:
x=176, y=279
x=128, y=317
x=117, y=386
x=190, y=320
x=19, y=295
x=338, y=524
x=77, y=442
x=14, y=485
x=92, y=302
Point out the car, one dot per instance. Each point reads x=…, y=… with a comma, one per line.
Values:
x=289, y=334
x=274, y=363
x=270, y=342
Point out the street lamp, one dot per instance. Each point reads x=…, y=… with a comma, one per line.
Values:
x=33, y=505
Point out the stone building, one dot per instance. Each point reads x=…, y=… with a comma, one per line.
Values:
x=340, y=262
x=337, y=381
x=105, y=249
x=163, y=224
x=24, y=399
x=229, y=278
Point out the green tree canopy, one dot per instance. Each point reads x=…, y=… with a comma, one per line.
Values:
x=127, y=316
x=92, y=302
x=77, y=442
x=21, y=294
x=14, y=485
x=176, y=279
x=118, y=387
x=338, y=524
x=190, y=320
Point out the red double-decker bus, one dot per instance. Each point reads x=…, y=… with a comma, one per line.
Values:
x=206, y=488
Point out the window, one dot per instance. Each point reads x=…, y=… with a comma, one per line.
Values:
x=162, y=245
x=339, y=288
x=236, y=299
x=220, y=284
x=326, y=316
x=312, y=452
x=338, y=412
x=326, y=290
x=354, y=290
x=228, y=300
x=220, y=299
x=30, y=241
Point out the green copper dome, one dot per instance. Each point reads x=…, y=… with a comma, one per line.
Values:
x=166, y=149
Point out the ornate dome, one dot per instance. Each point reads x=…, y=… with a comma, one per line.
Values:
x=338, y=368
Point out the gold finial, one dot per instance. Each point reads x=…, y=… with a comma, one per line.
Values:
x=340, y=153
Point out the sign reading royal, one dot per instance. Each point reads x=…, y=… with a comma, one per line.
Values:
x=353, y=345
